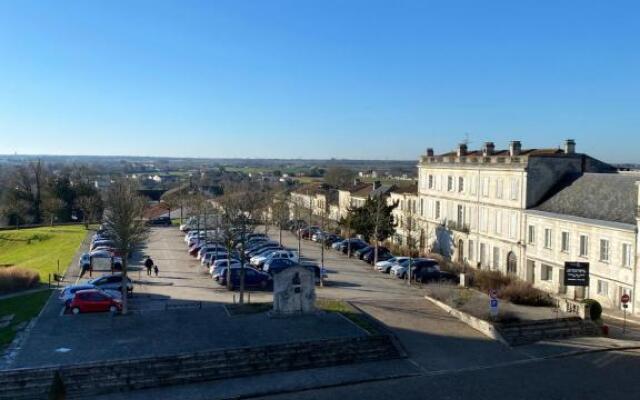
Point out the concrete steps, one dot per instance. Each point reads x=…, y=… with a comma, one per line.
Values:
x=86, y=381
x=526, y=332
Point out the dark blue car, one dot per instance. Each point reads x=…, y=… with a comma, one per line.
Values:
x=252, y=278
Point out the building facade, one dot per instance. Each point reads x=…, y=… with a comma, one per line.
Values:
x=592, y=219
x=472, y=203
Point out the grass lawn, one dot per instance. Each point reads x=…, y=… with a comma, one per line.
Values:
x=327, y=305
x=41, y=248
x=352, y=313
x=23, y=308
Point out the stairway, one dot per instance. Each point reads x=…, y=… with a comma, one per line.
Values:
x=526, y=332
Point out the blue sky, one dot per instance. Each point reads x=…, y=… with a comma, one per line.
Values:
x=317, y=79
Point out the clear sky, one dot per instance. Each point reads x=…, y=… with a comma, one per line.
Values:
x=317, y=79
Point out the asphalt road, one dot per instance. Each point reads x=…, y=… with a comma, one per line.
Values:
x=608, y=375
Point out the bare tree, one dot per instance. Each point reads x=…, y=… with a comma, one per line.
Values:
x=91, y=207
x=124, y=224
x=50, y=207
x=240, y=209
x=413, y=232
x=280, y=212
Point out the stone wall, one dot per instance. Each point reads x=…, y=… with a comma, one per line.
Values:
x=85, y=381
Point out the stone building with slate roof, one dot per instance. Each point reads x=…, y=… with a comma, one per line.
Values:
x=474, y=204
x=588, y=218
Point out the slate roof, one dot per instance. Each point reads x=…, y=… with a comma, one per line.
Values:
x=504, y=153
x=356, y=187
x=411, y=188
x=605, y=197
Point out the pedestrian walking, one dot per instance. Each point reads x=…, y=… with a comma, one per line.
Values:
x=148, y=263
x=155, y=270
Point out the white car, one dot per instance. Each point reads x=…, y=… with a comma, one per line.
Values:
x=399, y=269
x=385, y=266
x=258, y=261
x=210, y=248
x=216, y=270
x=222, y=263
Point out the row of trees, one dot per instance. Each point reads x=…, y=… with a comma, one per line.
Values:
x=34, y=193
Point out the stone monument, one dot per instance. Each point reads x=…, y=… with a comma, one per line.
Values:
x=294, y=291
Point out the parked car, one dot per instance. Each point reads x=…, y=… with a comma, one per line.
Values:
x=383, y=254
x=252, y=279
x=358, y=253
x=101, y=243
x=277, y=265
x=213, y=257
x=219, y=265
x=258, y=261
x=66, y=295
x=432, y=274
x=113, y=282
x=331, y=239
x=160, y=221
x=306, y=233
x=93, y=300
x=421, y=263
x=263, y=249
x=337, y=244
x=399, y=270
x=385, y=265
x=210, y=248
x=355, y=245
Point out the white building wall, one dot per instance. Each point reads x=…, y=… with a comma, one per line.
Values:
x=611, y=272
x=483, y=206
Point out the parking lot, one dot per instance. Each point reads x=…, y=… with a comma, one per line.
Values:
x=182, y=310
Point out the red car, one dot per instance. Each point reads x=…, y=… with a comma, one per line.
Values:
x=92, y=300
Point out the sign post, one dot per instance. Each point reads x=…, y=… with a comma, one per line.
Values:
x=493, y=303
x=625, y=303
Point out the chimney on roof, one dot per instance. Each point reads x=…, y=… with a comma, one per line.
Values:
x=462, y=150
x=429, y=152
x=488, y=148
x=515, y=147
x=376, y=185
x=570, y=146
x=356, y=181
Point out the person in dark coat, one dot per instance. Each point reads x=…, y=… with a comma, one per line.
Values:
x=148, y=263
x=155, y=269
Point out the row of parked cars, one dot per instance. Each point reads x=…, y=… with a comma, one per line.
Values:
x=103, y=293
x=262, y=258
x=418, y=269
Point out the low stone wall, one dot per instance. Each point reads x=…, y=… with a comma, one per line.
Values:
x=484, y=327
x=524, y=332
x=85, y=381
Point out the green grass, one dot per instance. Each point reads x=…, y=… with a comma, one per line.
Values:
x=41, y=248
x=23, y=308
x=327, y=305
x=352, y=313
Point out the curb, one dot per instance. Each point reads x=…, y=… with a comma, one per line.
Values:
x=629, y=321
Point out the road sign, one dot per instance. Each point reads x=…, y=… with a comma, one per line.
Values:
x=493, y=307
x=493, y=293
x=625, y=298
